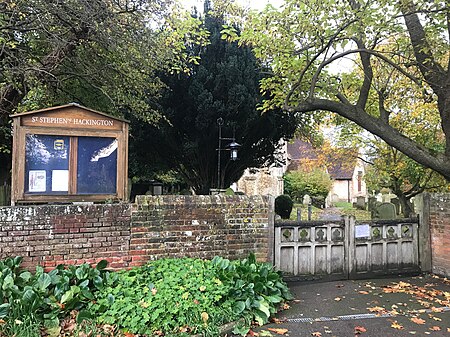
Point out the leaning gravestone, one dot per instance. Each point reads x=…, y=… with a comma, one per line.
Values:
x=386, y=210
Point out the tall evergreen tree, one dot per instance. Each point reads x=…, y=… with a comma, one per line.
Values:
x=225, y=84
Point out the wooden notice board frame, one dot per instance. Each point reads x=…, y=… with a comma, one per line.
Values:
x=72, y=121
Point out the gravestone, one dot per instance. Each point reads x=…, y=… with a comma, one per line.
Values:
x=306, y=200
x=385, y=210
x=361, y=202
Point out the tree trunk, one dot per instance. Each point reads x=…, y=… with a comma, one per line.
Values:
x=407, y=206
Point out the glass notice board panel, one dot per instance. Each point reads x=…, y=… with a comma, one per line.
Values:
x=97, y=165
x=46, y=164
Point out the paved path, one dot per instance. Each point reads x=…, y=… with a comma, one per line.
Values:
x=396, y=307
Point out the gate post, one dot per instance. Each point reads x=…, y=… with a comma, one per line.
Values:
x=350, y=244
x=271, y=230
x=422, y=204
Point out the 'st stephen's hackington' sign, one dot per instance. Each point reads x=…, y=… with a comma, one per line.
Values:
x=72, y=121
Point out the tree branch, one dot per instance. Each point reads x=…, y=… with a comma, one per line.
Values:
x=431, y=70
x=393, y=137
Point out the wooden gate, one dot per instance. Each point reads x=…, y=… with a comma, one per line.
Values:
x=346, y=249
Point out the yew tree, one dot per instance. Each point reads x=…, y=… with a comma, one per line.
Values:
x=307, y=42
x=224, y=84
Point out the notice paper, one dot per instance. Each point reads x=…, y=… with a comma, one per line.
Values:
x=60, y=180
x=37, y=181
x=362, y=231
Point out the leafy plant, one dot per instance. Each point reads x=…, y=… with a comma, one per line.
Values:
x=176, y=296
x=316, y=183
x=257, y=289
x=46, y=297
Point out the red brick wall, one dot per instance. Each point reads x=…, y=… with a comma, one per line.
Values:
x=51, y=235
x=199, y=226
x=439, y=221
x=130, y=234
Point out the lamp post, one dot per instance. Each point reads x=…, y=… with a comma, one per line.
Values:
x=233, y=147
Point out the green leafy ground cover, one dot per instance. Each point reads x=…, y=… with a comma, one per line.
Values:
x=168, y=297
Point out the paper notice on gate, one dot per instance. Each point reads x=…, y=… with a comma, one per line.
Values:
x=362, y=231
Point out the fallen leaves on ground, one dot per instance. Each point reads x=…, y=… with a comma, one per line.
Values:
x=434, y=309
x=285, y=306
x=378, y=310
x=277, y=320
x=435, y=328
x=397, y=326
x=359, y=330
x=426, y=295
x=278, y=331
x=417, y=320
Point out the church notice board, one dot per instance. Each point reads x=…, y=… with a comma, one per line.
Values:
x=69, y=153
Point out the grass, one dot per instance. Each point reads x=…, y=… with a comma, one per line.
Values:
x=343, y=205
x=304, y=212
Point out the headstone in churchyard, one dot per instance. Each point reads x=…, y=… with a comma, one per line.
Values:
x=334, y=198
x=306, y=199
x=386, y=211
x=361, y=202
x=396, y=203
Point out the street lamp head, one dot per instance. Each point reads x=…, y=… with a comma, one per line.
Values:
x=234, y=147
